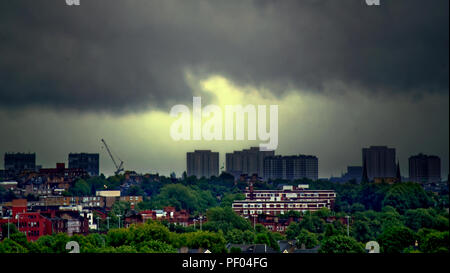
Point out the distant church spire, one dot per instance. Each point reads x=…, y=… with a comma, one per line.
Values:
x=398, y=176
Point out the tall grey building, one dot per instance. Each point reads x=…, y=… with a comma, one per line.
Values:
x=379, y=162
x=424, y=168
x=18, y=162
x=202, y=163
x=88, y=162
x=248, y=161
x=291, y=167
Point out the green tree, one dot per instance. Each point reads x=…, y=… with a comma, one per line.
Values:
x=229, y=198
x=249, y=237
x=330, y=230
x=12, y=229
x=10, y=246
x=306, y=239
x=404, y=196
x=154, y=246
x=235, y=236
x=312, y=223
x=225, y=219
x=396, y=239
x=341, y=244
x=361, y=231
x=214, y=241
x=436, y=242
x=418, y=218
x=80, y=188
x=293, y=230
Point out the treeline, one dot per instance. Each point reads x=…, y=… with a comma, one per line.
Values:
x=417, y=230
x=196, y=195
x=151, y=237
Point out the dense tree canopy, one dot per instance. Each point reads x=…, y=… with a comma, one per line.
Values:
x=402, y=217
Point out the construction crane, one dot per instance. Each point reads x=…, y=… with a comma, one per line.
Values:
x=119, y=167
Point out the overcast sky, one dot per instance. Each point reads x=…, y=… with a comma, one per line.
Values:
x=345, y=76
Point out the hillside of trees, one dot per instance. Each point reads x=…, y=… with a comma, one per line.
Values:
x=401, y=217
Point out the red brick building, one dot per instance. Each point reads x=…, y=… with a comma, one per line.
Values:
x=169, y=214
x=32, y=224
x=39, y=223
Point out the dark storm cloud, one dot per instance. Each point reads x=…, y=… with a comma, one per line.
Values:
x=126, y=55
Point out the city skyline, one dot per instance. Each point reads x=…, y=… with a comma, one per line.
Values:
x=218, y=166
x=75, y=75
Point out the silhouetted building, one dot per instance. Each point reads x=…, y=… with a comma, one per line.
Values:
x=291, y=167
x=353, y=173
x=202, y=163
x=87, y=162
x=379, y=162
x=18, y=162
x=248, y=161
x=425, y=168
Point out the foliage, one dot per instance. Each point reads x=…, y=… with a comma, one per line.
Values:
x=404, y=196
x=225, y=219
x=436, y=242
x=396, y=239
x=306, y=239
x=341, y=244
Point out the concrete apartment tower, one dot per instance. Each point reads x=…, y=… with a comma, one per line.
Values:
x=425, y=168
x=202, y=163
x=379, y=162
x=248, y=161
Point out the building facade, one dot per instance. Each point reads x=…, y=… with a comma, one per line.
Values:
x=202, y=163
x=248, y=161
x=88, y=162
x=425, y=168
x=169, y=214
x=18, y=162
x=291, y=167
x=276, y=202
x=379, y=162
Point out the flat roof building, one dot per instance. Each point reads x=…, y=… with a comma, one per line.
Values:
x=248, y=161
x=18, y=162
x=202, y=163
x=276, y=202
x=425, y=168
x=379, y=162
x=291, y=167
x=88, y=162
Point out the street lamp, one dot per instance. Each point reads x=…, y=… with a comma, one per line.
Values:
x=107, y=220
x=119, y=219
x=348, y=225
x=18, y=223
